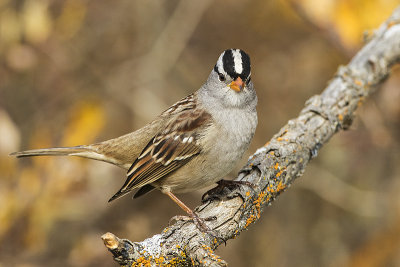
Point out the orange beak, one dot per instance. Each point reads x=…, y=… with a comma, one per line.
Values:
x=237, y=84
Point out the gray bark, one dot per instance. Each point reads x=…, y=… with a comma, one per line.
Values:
x=273, y=167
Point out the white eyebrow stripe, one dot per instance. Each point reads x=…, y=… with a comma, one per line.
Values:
x=237, y=59
x=220, y=65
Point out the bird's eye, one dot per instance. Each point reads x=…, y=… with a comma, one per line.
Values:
x=221, y=77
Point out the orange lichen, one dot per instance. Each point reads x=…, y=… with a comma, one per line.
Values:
x=247, y=193
x=142, y=261
x=159, y=261
x=340, y=117
x=276, y=166
x=358, y=82
x=250, y=220
x=272, y=190
x=272, y=153
x=211, y=254
x=174, y=261
x=280, y=172
x=280, y=186
x=261, y=199
x=279, y=139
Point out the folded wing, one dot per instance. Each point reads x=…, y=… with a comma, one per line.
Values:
x=167, y=151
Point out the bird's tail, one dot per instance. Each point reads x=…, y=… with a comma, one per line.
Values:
x=55, y=151
x=94, y=151
x=120, y=151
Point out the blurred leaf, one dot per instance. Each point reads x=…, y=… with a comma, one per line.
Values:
x=71, y=19
x=37, y=20
x=8, y=209
x=88, y=119
x=353, y=17
x=10, y=26
x=10, y=137
x=29, y=182
x=349, y=18
x=21, y=57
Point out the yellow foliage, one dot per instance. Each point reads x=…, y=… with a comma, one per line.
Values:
x=35, y=23
x=41, y=188
x=88, y=119
x=8, y=209
x=353, y=17
x=29, y=182
x=10, y=28
x=71, y=18
x=349, y=18
x=37, y=20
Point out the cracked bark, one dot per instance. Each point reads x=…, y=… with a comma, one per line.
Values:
x=275, y=166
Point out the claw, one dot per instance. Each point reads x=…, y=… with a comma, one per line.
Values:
x=178, y=218
x=200, y=224
x=211, y=218
x=217, y=192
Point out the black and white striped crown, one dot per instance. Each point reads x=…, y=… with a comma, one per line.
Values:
x=235, y=63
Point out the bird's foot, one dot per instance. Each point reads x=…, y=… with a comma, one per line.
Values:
x=230, y=185
x=199, y=222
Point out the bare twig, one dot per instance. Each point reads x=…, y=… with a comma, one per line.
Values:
x=343, y=195
x=327, y=31
x=155, y=64
x=274, y=167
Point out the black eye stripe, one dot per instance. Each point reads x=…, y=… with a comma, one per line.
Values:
x=216, y=69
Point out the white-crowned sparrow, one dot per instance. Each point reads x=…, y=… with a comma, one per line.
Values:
x=191, y=145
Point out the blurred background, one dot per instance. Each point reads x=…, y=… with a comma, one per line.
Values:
x=80, y=71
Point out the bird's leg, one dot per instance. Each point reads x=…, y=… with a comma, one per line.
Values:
x=216, y=192
x=199, y=222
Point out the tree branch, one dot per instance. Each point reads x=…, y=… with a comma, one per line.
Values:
x=275, y=166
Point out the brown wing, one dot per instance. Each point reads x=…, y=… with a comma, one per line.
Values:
x=167, y=151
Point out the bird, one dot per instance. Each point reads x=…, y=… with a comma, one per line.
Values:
x=191, y=145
